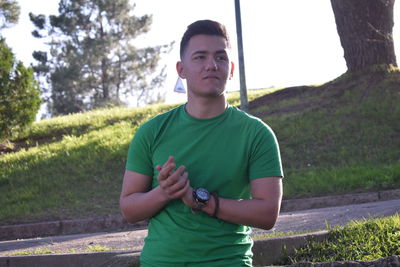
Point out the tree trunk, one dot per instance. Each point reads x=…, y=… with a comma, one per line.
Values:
x=365, y=29
x=105, y=79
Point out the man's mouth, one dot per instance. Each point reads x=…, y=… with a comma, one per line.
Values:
x=211, y=77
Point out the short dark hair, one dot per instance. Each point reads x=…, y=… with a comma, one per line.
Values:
x=207, y=27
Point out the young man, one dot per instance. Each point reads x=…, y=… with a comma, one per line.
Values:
x=205, y=171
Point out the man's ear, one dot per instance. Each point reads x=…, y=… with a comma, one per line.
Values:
x=180, y=70
x=232, y=69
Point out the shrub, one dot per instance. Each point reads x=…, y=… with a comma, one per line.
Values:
x=19, y=94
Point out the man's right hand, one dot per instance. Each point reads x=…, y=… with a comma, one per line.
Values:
x=173, y=183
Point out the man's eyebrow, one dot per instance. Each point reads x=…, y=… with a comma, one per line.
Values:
x=221, y=51
x=200, y=52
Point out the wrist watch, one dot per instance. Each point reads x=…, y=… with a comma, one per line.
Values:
x=200, y=196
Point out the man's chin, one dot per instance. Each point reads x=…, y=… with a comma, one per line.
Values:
x=211, y=94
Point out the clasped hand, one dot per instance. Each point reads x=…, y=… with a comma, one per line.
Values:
x=175, y=183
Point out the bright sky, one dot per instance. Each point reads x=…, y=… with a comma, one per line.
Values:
x=286, y=42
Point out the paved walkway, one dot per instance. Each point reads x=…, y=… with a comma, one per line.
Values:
x=132, y=241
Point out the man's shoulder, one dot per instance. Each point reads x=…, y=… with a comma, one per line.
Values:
x=253, y=126
x=152, y=127
x=156, y=120
x=243, y=116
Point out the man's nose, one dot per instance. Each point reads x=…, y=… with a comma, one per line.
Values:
x=211, y=64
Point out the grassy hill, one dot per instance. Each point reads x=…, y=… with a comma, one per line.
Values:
x=340, y=137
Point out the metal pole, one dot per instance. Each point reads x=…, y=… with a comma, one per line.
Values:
x=244, y=104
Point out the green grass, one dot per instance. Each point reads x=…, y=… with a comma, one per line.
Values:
x=336, y=138
x=347, y=141
x=360, y=240
x=97, y=248
x=35, y=252
x=43, y=251
x=279, y=234
x=73, y=165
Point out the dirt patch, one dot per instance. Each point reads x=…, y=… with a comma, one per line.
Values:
x=20, y=144
x=280, y=95
x=329, y=95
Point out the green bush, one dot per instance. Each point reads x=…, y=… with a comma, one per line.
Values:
x=19, y=94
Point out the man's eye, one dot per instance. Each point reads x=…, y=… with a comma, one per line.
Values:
x=222, y=58
x=199, y=57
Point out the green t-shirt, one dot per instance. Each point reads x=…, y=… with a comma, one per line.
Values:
x=221, y=154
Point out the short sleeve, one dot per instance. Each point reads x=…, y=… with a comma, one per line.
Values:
x=139, y=153
x=265, y=158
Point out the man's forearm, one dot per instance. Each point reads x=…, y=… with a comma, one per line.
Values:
x=142, y=206
x=252, y=212
x=261, y=211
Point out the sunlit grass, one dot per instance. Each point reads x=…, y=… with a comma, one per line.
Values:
x=97, y=248
x=35, y=252
x=280, y=234
x=44, y=251
x=363, y=240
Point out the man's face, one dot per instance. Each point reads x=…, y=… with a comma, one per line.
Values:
x=206, y=65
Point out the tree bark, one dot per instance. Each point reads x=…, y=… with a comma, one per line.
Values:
x=365, y=29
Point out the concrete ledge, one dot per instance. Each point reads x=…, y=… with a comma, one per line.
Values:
x=338, y=200
x=269, y=251
x=67, y=227
x=389, y=194
x=97, y=259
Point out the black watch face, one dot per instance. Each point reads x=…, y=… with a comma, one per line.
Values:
x=202, y=194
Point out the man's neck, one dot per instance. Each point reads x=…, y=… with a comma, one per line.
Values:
x=205, y=108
